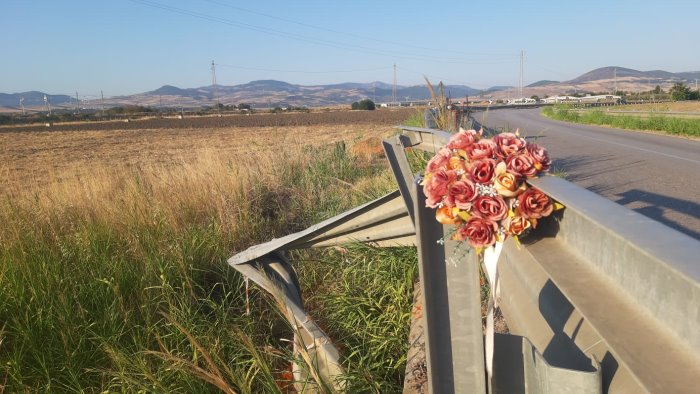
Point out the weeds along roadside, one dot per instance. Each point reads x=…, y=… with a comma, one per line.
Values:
x=119, y=281
x=662, y=123
x=362, y=297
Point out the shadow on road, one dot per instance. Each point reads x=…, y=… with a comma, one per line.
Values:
x=584, y=170
x=581, y=168
x=657, y=204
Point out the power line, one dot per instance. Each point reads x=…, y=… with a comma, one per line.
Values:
x=393, y=89
x=213, y=83
x=403, y=44
x=313, y=40
x=437, y=77
x=520, y=82
x=300, y=71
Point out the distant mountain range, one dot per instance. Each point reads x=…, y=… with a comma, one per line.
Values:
x=265, y=93
x=622, y=73
x=606, y=79
x=262, y=93
x=31, y=99
x=272, y=93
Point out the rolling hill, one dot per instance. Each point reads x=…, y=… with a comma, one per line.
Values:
x=32, y=99
x=264, y=93
x=273, y=92
x=605, y=79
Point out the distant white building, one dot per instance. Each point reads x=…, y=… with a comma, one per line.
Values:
x=561, y=99
x=522, y=100
x=598, y=99
x=603, y=98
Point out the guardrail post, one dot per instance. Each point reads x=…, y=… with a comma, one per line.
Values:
x=449, y=279
x=395, y=153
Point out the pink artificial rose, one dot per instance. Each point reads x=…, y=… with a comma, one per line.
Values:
x=463, y=139
x=482, y=149
x=440, y=160
x=521, y=165
x=533, y=204
x=490, y=208
x=479, y=232
x=482, y=171
x=539, y=157
x=432, y=197
x=508, y=144
x=443, y=179
x=461, y=194
x=436, y=188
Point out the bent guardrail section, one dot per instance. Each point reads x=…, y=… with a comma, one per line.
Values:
x=600, y=298
x=384, y=221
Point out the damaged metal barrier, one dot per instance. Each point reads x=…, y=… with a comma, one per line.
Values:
x=599, y=300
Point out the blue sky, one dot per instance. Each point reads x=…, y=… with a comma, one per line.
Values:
x=131, y=46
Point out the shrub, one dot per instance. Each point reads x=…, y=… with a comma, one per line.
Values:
x=680, y=92
x=365, y=105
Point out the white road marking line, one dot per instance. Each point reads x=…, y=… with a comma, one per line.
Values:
x=623, y=145
x=638, y=148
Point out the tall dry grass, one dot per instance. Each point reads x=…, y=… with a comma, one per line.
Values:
x=113, y=248
x=441, y=113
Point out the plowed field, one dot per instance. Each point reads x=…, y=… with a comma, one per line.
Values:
x=378, y=117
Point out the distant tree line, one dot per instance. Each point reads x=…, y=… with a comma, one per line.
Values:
x=128, y=110
x=678, y=92
x=39, y=117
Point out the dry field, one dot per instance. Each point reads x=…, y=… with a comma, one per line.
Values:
x=35, y=157
x=113, y=246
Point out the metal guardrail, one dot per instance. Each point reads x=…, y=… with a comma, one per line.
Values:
x=384, y=222
x=644, y=113
x=618, y=287
x=603, y=284
x=599, y=299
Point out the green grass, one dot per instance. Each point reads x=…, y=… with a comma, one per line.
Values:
x=363, y=298
x=665, y=124
x=415, y=120
x=131, y=293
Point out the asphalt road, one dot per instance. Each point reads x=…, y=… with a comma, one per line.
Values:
x=655, y=175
